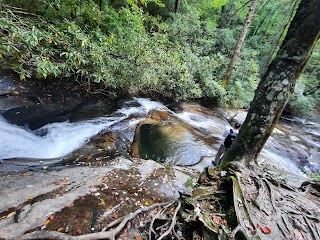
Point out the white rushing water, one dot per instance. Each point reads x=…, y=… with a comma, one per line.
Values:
x=59, y=139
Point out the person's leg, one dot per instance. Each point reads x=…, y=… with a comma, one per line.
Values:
x=221, y=150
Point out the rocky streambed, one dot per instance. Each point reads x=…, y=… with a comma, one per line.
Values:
x=74, y=163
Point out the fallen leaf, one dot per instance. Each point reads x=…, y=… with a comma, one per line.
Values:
x=60, y=229
x=114, y=215
x=102, y=202
x=30, y=197
x=51, y=217
x=139, y=238
x=57, y=183
x=265, y=230
x=47, y=222
x=147, y=203
x=11, y=214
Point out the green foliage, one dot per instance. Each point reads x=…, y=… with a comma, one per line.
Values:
x=312, y=175
x=306, y=96
x=315, y=177
x=300, y=104
x=118, y=45
x=244, y=79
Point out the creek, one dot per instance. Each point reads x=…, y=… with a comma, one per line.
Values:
x=182, y=137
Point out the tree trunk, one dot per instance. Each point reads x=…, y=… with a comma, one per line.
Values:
x=239, y=43
x=277, y=83
x=177, y=6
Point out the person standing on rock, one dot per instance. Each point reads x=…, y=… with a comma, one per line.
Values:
x=229, y=135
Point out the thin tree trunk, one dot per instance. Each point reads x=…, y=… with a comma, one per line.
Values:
x=277, y=83
x=311, y=90
x=279, y=35
x=243, y=5
x=267, y=15
x=177, y=6
x=239, y=43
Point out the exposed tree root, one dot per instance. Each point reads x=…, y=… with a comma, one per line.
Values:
x=111, y=234
x=267, y=208
x=165, y=229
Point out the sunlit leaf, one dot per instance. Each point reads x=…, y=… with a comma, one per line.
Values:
x=11, y=214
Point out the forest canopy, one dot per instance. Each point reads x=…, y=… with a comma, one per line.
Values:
x=175, y=49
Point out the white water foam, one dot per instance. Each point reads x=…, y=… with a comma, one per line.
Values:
x=59, y=139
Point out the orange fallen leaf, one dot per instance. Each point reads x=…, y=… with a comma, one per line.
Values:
x=51, y=217
x=139, y=238
x=265, y=230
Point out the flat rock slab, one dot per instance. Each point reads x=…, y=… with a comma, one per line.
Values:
x=83, y=199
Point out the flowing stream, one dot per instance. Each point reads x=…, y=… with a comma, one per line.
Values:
x=60, y=139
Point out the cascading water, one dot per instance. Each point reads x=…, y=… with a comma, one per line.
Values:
x=59, y=139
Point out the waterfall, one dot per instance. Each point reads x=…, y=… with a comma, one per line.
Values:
x=59, y=139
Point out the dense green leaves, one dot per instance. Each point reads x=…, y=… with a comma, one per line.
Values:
x=125, y=45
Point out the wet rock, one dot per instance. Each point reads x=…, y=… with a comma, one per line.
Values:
x=93, y=107
x=294, y=138
x=37, y=116
x=315, y=158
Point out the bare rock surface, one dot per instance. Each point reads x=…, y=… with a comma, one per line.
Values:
x=52, y=199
